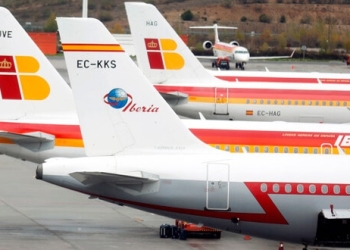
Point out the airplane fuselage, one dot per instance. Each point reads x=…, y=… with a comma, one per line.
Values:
x=235, y=53
x=237, y=192
x=264, y=102
x=232, y=136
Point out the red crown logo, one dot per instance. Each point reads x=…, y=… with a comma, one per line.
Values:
x=152, y=45
x=5, y=64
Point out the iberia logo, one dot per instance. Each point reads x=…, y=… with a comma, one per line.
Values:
x=118, y=98
x=18, y=81
x=161, y=54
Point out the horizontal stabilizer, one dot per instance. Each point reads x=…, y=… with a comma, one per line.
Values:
x=134, y=178
x=34, y=141
x=214, y=27
x=175, y=98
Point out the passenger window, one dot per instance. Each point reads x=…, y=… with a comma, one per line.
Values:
x=296, y=102
x=310, y=102
x=236, y=148
x=337, y=103
x=336, y=189
x=254, y=101
x=324, y=189
x=266, y=149
x=285, y=150
x=248, y=101
x=276, y=188
x=275, y=101
x=347, y=189
x=330, y=103
x=317, y=103
x=217, y=146
x=263, y=188
x=345, y=104
x=315, y=150
x=282, y=102
x=300, y=188
x=324, y=103
x=268, y=101
x=303, y=103
x=261, y=101
x=288, y=188
x=312, y=189
x=227, y=148
x=289, y=102
x=306, y=151
x=295, y=150
x=256, y=149
x=326, y=151
x=275, y=149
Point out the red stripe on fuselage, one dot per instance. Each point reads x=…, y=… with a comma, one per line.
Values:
x=254, y=137
x=60, y=131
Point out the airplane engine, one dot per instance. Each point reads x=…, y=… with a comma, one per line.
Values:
x=234, y=43
x=207, y=45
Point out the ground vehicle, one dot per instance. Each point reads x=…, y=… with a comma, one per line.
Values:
x=183, y=229
x=347, y=59
x=222, y=63
x=191, y=229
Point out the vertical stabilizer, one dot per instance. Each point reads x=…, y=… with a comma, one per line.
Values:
x=30, y=86
x=118, y=108
x=161, y=53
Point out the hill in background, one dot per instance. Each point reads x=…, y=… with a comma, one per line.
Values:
x=276, y=23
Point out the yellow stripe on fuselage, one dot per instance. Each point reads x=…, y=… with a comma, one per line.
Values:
x=315, y=103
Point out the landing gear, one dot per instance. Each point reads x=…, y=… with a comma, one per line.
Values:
x=240, y=65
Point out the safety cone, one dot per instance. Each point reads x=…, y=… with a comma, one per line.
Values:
x=281, y=247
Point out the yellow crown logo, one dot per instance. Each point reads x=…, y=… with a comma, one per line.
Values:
x=5, y=64
x=152, y=45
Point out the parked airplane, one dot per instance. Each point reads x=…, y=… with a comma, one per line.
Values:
x=141, y=155
x=35, y=130
x=232, y=51
x=189, y=88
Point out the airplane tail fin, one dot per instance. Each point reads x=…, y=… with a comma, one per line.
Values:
x=118, y=108
x=30, y=86
x=216, y=30
x=161, y=53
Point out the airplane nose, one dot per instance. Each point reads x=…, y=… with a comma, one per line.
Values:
x=242, y=57
x=39, y=172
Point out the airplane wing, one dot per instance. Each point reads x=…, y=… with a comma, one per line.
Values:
x=175, y=98
x=271, y=57
x=134, y=178
x=34, y=141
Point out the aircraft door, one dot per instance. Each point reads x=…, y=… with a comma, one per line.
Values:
x=217, y=186
x=221, y=101
x=326, y=148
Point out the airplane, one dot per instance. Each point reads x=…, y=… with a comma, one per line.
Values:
x=231, y=51
x=35, y=130
x=139, y=154
x=189, y=88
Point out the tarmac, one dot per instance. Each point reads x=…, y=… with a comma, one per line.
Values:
x=38, y=215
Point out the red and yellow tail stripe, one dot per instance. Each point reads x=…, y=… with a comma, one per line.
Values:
x=70, y=47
